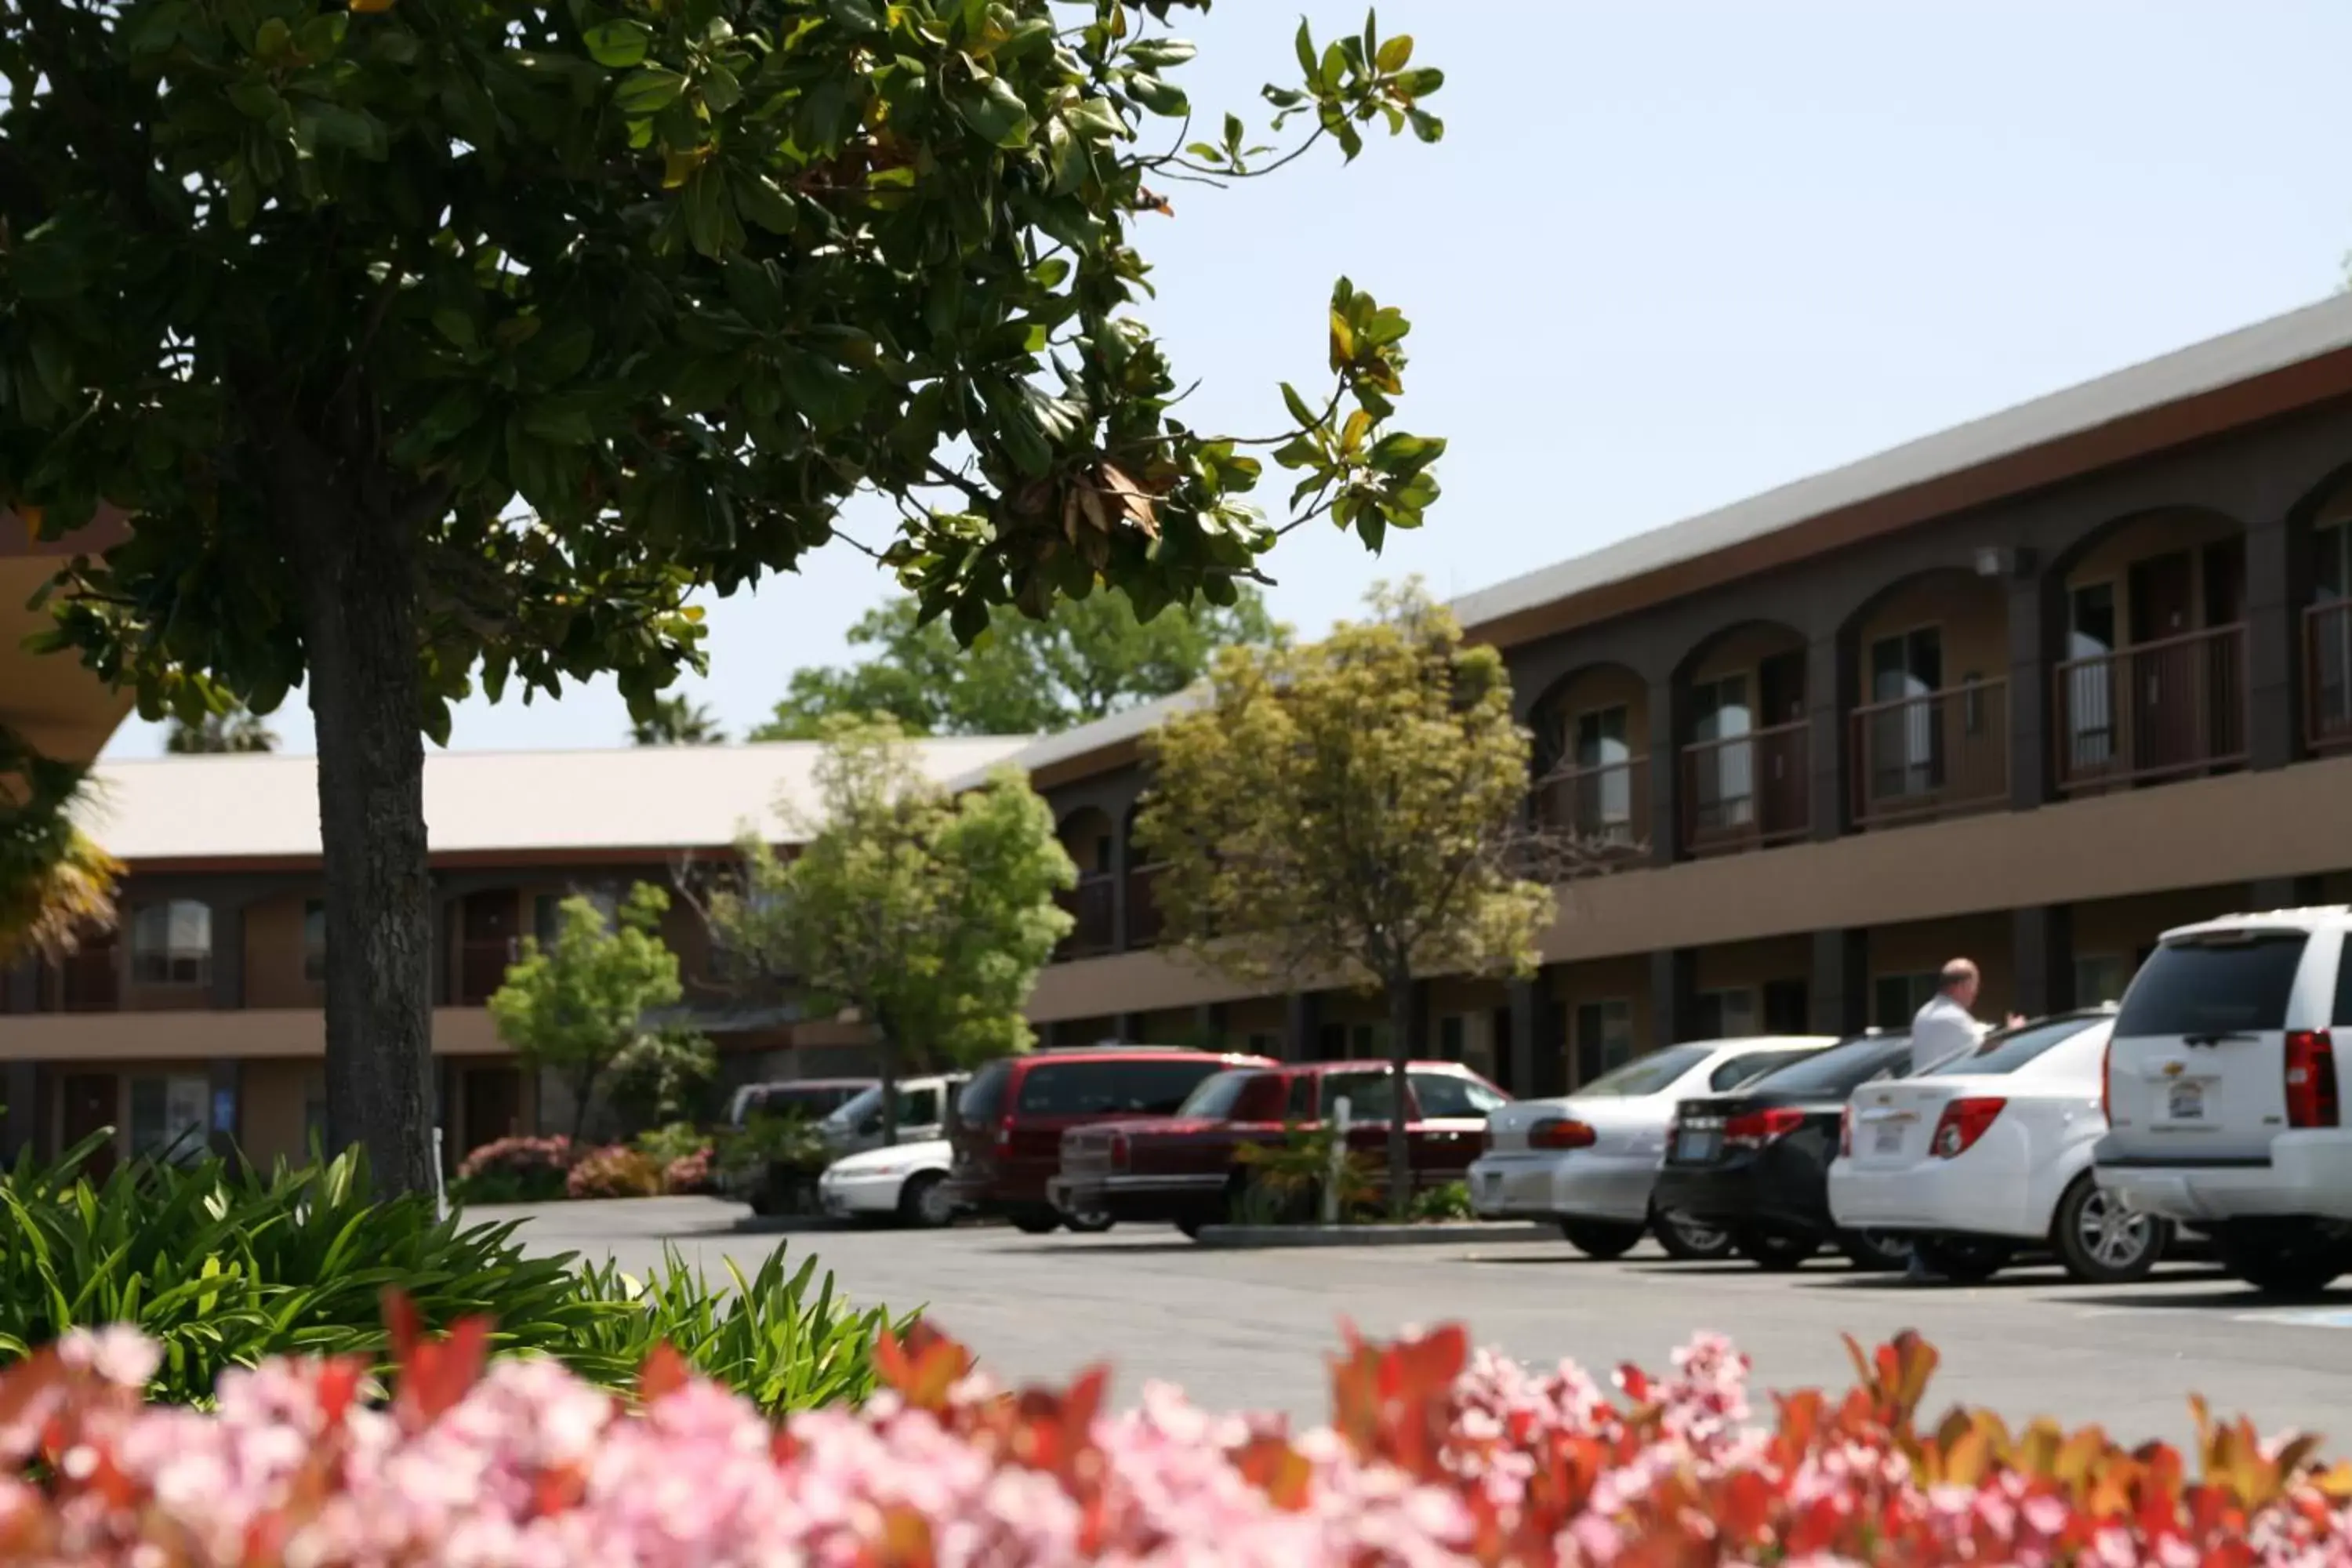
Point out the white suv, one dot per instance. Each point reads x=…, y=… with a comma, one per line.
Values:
x=2224, y=1109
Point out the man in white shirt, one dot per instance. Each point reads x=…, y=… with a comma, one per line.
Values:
x=1945, y=1026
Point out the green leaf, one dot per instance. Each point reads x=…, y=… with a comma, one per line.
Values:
x=856, y=16
x=1307, y=59
x=1050, y=272
x=1306, y=418
x=256, y=100
x=648, y=91
x=1159, y=54
x=991, y=108
x=454, y=325
x=1426, y=126
x=1395, y=54
x=1419, y=83
x=762, y=202
x=619, y=43
x=334, y=125
x=1157, y=96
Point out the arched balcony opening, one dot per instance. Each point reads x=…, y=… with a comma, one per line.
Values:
x=2152, y=685
x=1144, y=925
x=2327, y=631
x=1744, y=738
x=1928, y=735
x=1592, y=760
x=1088, y=838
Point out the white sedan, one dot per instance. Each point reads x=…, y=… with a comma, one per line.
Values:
x=1990, y=1153
x=905, y=1181
x=1588, y=1162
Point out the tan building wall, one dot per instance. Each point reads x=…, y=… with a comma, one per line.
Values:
x=274, y=1100
x=2144, y=539
x=1969, y=614
x=275, y=954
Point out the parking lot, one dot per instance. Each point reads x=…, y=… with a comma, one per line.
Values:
x=1250, y=1329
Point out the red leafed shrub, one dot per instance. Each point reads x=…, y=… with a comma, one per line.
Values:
x=514, y=1169
x=615, y=1171
x=688, y=1173
x=1434, y=1455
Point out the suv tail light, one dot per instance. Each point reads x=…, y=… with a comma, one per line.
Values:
x=1759, y=1127
x=2311, y=1095
x=1963, y=1122
x=1845, y=1134
x=1004, y=1131
x=1560, y=1133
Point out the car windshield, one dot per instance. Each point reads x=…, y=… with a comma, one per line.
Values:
x=1834, y=1073
x=1213, y=1099
x=1647, y=1076
x=865, y=1102
x=2010, y=1049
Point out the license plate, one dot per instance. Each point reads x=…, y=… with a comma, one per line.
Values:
x=1889, y=1139
x=1694, y=1148
x=2185, y=1101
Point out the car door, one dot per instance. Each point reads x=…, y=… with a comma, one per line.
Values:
x=2197, y=1072
x=1450, y=1111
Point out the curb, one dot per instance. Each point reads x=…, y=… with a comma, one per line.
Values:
x=1235, y=1236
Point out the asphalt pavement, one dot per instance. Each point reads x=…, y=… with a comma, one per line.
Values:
x=1252, y=1329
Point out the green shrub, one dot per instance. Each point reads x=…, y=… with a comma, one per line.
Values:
x=223, y=1266
x=514, y=1171
x=671, y=1142
x=1451, y=1201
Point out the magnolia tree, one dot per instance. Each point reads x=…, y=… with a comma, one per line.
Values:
x=578, y=1005
x=56, y=886
x=1353, y=809
x=926, y=913
x=433, y=346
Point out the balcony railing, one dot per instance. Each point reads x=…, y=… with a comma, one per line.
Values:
x=1604, y=807
x=2328, y=683
x=482, y=966
x=1091, y=903
x=1746, y=792
x=1941, y=754
x=2155, y=710
x=1144, y=923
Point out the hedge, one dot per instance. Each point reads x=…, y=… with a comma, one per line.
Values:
x=1433, y=1455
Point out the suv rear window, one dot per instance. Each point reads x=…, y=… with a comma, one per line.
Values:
x=1144, y=1088
x=2008, y=1052
x=983, y=1097
x=2214, y=985
x=1836, y=1072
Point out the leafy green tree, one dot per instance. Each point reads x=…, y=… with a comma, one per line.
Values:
x=56, y=886
x=1353, y=808
x=235, y=730
x=676, y=722
x=433, y=341
x=1086, y=658
x=578, y=1006
x=930, y=914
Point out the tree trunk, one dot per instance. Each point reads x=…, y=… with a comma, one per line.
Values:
x=356, y=581
x=1401, y=1038
x=583, y=1091
x=887, y=1054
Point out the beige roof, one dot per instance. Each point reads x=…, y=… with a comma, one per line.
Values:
x=637, y=797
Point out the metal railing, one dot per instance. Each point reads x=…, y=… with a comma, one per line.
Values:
x=2155, y=710
x=1941, y=754
x=2327, y=675
x=1091, y=904
x=1746, y=792
x=1605, y=808
x=1144, y=922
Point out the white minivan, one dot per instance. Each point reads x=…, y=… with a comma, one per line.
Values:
x=2221, y=1082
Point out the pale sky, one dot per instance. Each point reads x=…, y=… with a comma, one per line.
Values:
x=1670, y=255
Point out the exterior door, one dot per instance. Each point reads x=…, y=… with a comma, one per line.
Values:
x=2166, y=705
x=493, y=1106
x=1780, y=755
x=92, y=1103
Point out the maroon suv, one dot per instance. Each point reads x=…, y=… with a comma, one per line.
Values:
x=1009, y=1124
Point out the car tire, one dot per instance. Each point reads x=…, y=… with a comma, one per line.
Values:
x=2099, y=1242
x=1961, y=1260
x=2286, y=1259
x=1774, y=1251
x=1688, y=1241
x=1088, y=1223
x=1875, y=1251
x=1599, y=1238
x=923, y=1204
x=1035, y=1219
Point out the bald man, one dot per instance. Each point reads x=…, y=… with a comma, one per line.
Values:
x=1947, y=1026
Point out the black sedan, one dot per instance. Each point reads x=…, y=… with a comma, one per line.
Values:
x=1756, y=1164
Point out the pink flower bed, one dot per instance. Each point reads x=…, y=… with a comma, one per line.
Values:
x=1434, y=1455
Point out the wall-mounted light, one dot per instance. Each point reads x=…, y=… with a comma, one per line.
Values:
x=1993, y=561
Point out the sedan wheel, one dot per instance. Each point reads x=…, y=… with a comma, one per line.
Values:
x=1599, y=1238
x=2100, y=1241
x=924, y=1201
x=1774, y=1251
x=1688, y=1241
x=1088, y=1223
x=1876, y=1250
x=1961, y=1260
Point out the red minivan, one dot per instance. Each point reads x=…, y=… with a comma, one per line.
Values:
x=1009, y=1123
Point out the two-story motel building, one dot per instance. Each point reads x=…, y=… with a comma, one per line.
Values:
x=2031, y=689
